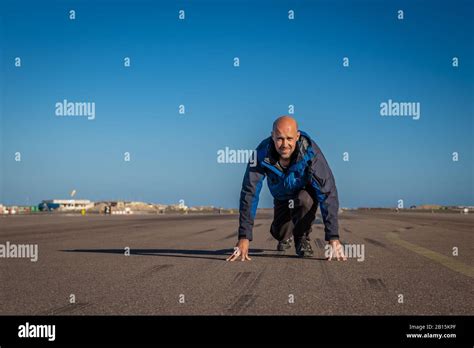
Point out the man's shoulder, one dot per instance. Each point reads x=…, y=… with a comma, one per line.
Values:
x=264, y=143
x=310, y=140
x=263, y=148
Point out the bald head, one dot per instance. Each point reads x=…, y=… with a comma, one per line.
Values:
x=285, y=134
x=285, y=122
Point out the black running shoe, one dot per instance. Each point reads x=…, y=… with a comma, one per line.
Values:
x=284, y=244
x=303, y=248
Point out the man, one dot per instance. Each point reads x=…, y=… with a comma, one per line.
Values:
x=299, y=178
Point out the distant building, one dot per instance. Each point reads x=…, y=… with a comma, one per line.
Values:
x=66, y=204
x=430, y=206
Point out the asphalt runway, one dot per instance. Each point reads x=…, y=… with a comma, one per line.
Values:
x=177, y=267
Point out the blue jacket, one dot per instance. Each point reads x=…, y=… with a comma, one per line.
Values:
x=308, y=170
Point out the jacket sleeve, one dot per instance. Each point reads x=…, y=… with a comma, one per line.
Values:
x=324, y=185
x=249, y=196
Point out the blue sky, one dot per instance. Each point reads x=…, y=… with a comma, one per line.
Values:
x=190, y=62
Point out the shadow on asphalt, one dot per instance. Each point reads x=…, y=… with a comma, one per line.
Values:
x=191, y=253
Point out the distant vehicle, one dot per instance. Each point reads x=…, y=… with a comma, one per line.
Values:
x=413, y=207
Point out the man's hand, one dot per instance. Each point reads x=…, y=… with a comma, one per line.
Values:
x=336, y=251
x=241, y=251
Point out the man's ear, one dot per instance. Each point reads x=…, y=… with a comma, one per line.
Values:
x=298, y=135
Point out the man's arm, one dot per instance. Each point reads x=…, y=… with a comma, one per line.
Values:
x=249, y=196
x=324, y=185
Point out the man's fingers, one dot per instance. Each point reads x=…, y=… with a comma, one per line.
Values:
x=341, y=254
x=231, y=257
x=234, y=255
x=245, y=256
x=331, y=253
x=238, y=253
x=336, y=253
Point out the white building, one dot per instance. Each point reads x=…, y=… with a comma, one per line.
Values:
x=69, y=204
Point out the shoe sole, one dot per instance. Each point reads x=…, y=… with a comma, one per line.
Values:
x=283, y=248
x=305, y=255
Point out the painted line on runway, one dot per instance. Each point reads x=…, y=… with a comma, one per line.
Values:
x=432, y=255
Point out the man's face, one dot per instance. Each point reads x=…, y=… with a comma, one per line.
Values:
x=285, y=138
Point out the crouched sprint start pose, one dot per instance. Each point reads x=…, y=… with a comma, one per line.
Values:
x=299, y=178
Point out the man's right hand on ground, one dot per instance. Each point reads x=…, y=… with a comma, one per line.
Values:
x=336, y=251
x=242, y=252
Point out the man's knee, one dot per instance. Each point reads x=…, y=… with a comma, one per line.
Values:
x=305, y=201
x=281, y=232
x=304, y=214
